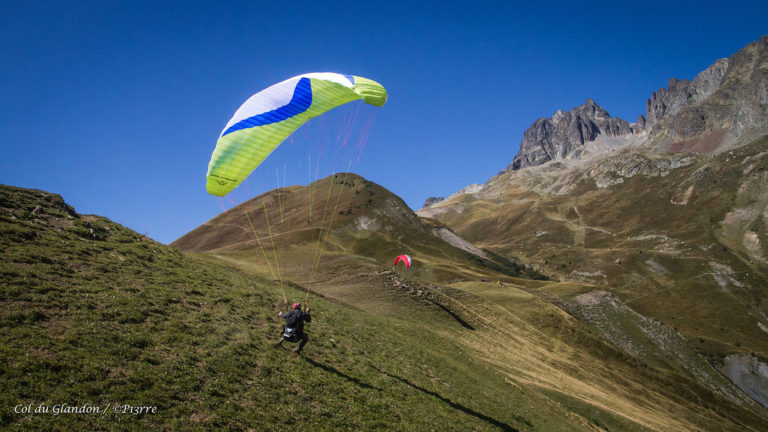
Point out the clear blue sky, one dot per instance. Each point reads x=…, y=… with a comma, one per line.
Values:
x=117, y=105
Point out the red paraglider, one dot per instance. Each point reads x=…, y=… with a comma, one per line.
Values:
x=404, y=258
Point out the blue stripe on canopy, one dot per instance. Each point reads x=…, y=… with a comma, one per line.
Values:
x=300, y=102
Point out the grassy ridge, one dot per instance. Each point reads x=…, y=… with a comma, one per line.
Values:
x=93, y=313
x=365, y=220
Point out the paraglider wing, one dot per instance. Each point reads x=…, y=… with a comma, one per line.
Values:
x=405, y=259
x=267, y=118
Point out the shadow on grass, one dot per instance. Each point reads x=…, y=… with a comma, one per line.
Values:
x=339, y=373
x=491, y=420
x=458, y=319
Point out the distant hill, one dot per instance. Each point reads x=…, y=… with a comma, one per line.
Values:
x=669, y=216
x=275, y=236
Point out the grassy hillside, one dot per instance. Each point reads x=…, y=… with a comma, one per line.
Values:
x=285, y=234
x=373, y=226
x=93, y=313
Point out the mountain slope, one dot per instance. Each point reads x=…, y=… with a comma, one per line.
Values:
x=525, y=350
x=94, y=314
x=669, y=220
x=680, y=239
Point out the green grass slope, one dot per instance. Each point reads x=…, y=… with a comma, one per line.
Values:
x=95, y=315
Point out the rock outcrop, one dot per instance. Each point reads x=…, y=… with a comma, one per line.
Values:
x=723, y=102
x=731, y=95
x=679, y=95
x=565, y=133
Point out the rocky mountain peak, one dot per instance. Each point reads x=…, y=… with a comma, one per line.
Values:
x=565, y=132
x=722, y=102
x=679, y=95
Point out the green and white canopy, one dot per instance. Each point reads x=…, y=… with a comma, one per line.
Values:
x=268, y=117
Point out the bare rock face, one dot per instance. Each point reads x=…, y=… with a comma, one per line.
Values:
x=563, y=134
x=682, y=94
x=749, y=374
x=708, y=81
x=669, y=101
x=731, y=95
x=741, y=102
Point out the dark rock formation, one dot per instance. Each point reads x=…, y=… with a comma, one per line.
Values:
x=564, y=134
x=741, y=101
x=723, y=102
x=667, y=102
x=731, y=95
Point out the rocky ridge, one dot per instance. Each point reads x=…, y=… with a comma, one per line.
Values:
x=722, y=103
x=563, y=135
